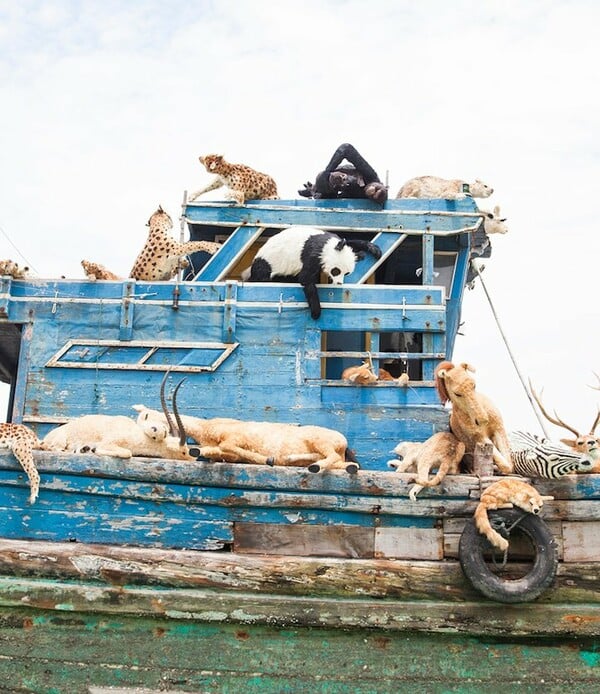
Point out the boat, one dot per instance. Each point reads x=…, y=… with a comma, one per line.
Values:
x=219, y=576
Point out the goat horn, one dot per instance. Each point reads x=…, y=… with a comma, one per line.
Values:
x=556, y=419
x=182, y=434
x=172, y=430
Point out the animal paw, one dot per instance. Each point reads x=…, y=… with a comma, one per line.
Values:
x=414, y=490
x=306, y=192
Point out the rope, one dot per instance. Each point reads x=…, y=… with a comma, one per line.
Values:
x=7, y=237
x=475, y=267
x=502, y=526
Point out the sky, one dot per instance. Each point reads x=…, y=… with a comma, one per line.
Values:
x=106, y=107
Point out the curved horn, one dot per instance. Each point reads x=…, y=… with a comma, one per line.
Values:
x=182, y=434
x=172, y=429
x=556, y=419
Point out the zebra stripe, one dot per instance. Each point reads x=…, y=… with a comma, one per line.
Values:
x=532, y=456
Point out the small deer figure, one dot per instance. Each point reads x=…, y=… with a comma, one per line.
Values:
x=582, y=443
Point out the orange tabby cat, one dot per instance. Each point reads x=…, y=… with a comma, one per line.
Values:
x=506, y=493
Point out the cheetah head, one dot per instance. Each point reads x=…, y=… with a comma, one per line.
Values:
x=160, y=218
x=212, y=162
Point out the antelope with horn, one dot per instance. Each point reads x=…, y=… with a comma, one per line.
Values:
x=259, y=443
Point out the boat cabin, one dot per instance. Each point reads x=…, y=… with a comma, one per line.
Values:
x=252, y=350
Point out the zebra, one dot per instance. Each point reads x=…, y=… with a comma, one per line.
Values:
x=533, y=456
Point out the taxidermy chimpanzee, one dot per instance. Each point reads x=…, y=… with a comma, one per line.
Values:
x=355, y=180
x=301, y=253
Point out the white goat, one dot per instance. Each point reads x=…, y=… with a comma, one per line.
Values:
x=493, y=223
x=260, y=443
x=447, y=189
x=118, y=436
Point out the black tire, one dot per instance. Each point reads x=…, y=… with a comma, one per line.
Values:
x=474, y=546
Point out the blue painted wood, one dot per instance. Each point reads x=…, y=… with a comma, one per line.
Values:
x=235, y=246
x=225, y=475
x=440, y=215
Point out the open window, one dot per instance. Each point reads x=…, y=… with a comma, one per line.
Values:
x=388, y=350
x=10, y=347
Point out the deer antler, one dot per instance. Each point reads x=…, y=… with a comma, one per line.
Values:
x=556, y=419
x=595, y=424
x=598, y=378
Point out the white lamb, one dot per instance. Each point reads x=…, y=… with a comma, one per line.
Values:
x=447, y=189
x=118, y=436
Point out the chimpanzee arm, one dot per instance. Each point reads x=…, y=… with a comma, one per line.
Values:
x=347, y=151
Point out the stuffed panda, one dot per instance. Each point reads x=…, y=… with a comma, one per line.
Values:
x=301, y=253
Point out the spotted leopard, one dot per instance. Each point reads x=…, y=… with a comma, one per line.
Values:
x=243, y=182
x=95, y=271
x=9, y=267
x=162, y=256
x=22, y=441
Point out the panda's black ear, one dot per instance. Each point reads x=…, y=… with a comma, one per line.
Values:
x=340, y=244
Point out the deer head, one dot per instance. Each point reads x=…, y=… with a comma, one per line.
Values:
x=583, y=443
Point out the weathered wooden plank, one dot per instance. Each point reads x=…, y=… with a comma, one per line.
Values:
x=216, y=607
x=304, y=540
x=409, y=543
x=364, y=483
x=437, y=215
x=277, y=575
x=226, y=498
x=581, y=541
x=582, y=486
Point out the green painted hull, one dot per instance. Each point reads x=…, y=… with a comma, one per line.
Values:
x=43, y=651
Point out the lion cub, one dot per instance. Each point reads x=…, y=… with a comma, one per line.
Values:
x=506, y=493
x=243, y=182
x=442, y=451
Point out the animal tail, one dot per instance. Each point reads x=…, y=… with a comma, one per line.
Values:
x=438, y=477
x=25, y=458
x=482, y=522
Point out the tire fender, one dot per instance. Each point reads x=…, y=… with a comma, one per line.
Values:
x=473, y=545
